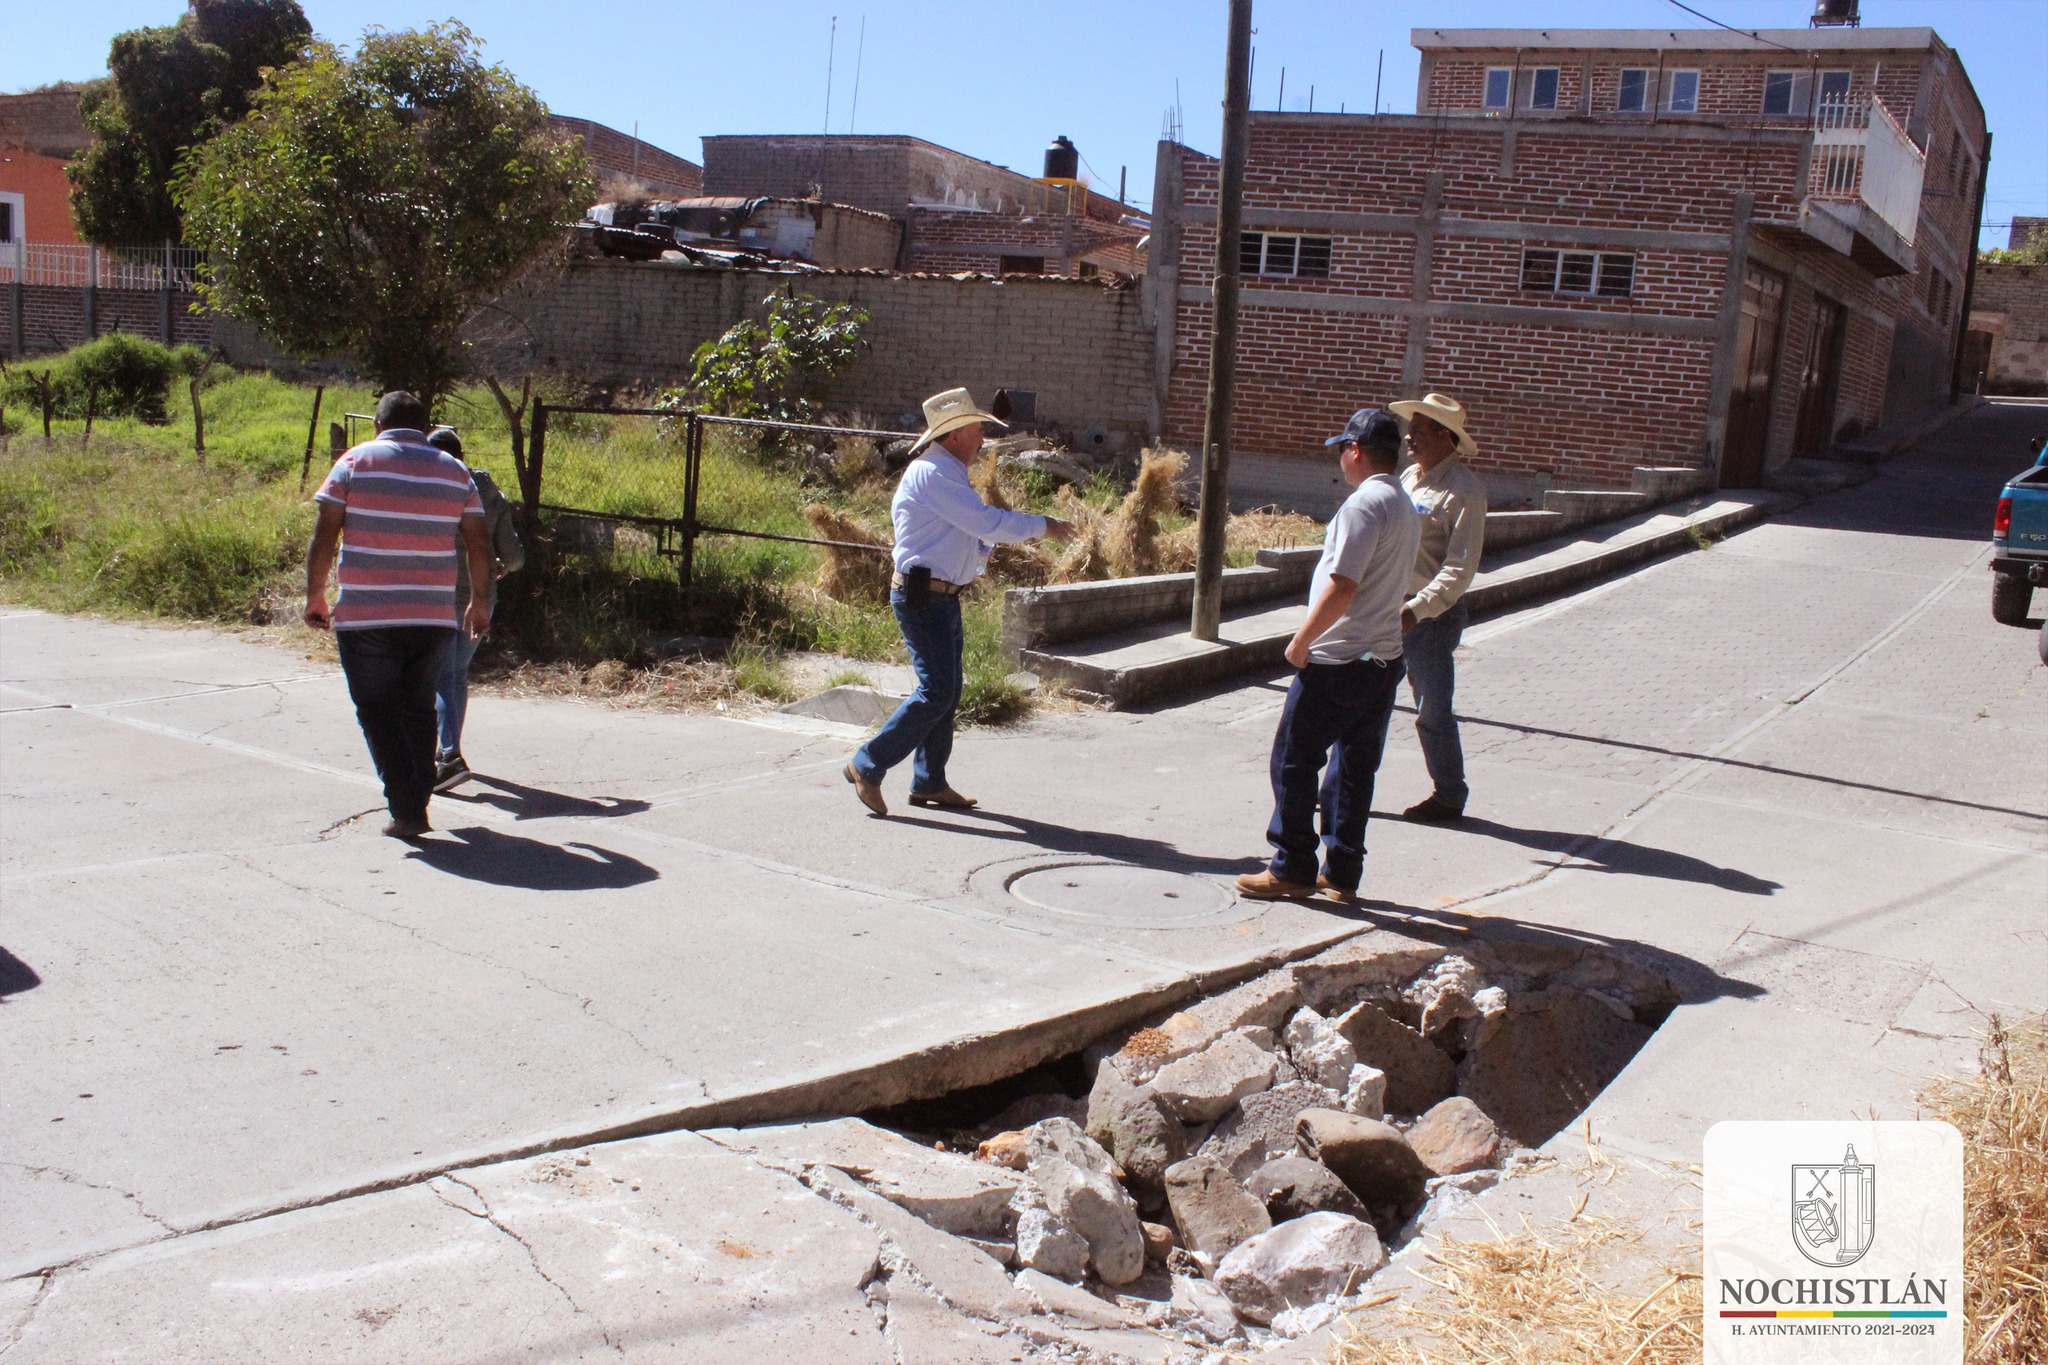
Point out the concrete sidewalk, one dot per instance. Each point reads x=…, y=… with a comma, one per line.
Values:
x=1804, y=764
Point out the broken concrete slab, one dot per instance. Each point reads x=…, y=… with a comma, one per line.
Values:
x=1318, y=1050
x=1047, y=1244
x=964, y=1276
x=1365, y=1092
x=1333, y=980
x=1077, y=1179
x=1261, y=1127
x=1265, y=1001
x=848, y=704
x=1542, y=1067
x=952, y=1192
x=1200, y=1306
x=1137, y=1128
x=1200, y=1087
x=1212, y=1208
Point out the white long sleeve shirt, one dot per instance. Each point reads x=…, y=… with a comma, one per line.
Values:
x=942, y=523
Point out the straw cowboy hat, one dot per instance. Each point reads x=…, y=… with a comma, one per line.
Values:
x=1442, y=409
x=950, y=411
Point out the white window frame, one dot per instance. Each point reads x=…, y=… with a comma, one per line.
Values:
x=1507, y=75
x=1642, y=105
x=1294, y=270
x=1596, y=262
x=1556, y=86
x=14, y=247
x=1670, y=92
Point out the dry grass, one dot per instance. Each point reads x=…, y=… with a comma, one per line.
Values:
x=674, y=685
x=1132, y=539
x=2002, y=1113
x=849, y=575
x=1536, y=1298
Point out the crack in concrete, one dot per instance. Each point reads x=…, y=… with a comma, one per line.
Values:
x=35, y=1306
x=70, y=1177
x=532, y=1258
x=331, y=830
x=587, y=1004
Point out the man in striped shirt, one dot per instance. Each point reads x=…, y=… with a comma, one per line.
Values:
x=401, y=511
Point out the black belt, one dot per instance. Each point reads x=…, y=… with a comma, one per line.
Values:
x=939, y=585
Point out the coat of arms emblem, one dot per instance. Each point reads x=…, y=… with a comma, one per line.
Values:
x=1834, y=1210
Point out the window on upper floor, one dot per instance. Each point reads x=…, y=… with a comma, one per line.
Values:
x=1792, y=92
x=1634, y=95
x=1499, y=85
x=1681, y=92
x=1542, y=88
x=1284, y=255
x=1939, y=294
x=1021, y=265
x=1608, y=274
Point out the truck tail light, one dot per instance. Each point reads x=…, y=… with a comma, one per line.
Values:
x=2001, y=520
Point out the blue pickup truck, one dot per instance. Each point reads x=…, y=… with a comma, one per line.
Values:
x=2019, y=541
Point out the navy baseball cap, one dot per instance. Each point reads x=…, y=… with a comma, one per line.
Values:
x=1370, y=427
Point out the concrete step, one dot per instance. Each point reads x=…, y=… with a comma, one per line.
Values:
x=1153, y=662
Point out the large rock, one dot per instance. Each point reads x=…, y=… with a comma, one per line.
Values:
x=1137, y=1128
x=1370, y=1157
x=1319, y=1051
x=1299, y=1263
x=1542, y=1067
x=1455, y=1137
x=1263, y=1002
x=1198, y=1088
x=1293, y=1187
x=1202, y=1307
x=1418, y=1072
x=1262, y=1126
x=1046, y=1244
x=953, y=1192
x=1079, y=1183
x=1215, y=1212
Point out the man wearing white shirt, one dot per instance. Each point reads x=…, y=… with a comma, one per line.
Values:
x=944, y=532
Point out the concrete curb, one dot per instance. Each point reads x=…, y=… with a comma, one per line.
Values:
x=1157, y=663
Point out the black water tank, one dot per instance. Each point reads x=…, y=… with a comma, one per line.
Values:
x=1062, y=162
x=1831, y=13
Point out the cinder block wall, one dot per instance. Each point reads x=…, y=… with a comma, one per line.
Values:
x=1082, y=347
x=2020, y=292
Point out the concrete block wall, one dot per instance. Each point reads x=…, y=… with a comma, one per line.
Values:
x=945, y=241
x=1078, y=611
x=1084, y=348
x=2017, y=295
x=54, y=318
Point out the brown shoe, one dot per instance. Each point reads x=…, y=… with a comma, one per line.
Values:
x=870, y=793
x=1264, y=886
x=945, y=798
x=1336, y=892
x=406, y=829
x=1430, y=811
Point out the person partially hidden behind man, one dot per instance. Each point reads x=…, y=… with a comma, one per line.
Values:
x=944, y=532
x=401, y=511
x=1451, y=500
x=1348, y=656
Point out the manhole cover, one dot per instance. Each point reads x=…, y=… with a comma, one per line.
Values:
x=1117, y=893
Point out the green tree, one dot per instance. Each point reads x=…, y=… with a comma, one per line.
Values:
x=778, y=367
x=369, y=204
x=169, y=89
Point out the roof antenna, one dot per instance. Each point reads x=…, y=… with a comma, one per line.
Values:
x=831, y=48
x=859, y=53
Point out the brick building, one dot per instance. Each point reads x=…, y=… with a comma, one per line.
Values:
x=2008, y=329
x=1621, y=248
x=40, y=132
x=959, y=213
x=621, y=156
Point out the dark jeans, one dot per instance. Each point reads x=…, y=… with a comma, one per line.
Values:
x=924, y=722
x=1337, y=712
x=1433, y=677
x=391, y=671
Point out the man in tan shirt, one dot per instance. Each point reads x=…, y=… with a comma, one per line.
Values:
x=1452, y=502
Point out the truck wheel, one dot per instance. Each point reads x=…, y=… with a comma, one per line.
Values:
x=2011, y=596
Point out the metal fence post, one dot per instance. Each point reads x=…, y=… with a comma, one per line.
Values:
x=92, y=292
x=164, y=296
x=536, y=448
x=693, y=461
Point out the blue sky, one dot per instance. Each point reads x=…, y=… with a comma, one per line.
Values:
x=1000, y=80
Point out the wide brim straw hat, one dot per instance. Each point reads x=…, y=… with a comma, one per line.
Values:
x=1442, y=409
x=950, y=411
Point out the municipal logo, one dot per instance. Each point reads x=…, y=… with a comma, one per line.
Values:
x=1834, y=1211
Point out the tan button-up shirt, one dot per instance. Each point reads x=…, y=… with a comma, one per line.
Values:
x=1452, y=502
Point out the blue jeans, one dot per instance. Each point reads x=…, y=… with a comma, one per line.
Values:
x=451, y=691
x=391, y=672
x=1433, y=678
x=924, y=722
x=1338, y=713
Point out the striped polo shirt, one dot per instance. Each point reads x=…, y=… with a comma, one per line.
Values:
x=403, y=503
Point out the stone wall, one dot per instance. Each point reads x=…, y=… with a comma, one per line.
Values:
x=1082, y=347
x=2011, y=303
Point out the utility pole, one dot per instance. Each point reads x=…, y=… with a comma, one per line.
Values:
x=1213, y=520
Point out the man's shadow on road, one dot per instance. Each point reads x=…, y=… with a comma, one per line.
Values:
x=535, y=803
x=1595, y=854
x=485, y=855
x=1042, y=834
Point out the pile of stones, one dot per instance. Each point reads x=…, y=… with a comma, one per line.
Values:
x=1241, y=1168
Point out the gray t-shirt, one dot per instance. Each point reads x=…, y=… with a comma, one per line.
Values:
x=1372, y=540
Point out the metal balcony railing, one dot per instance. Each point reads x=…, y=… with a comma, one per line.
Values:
x=1861, y=153
x=78, y=267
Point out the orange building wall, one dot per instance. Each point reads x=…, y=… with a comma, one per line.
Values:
x=46, y=194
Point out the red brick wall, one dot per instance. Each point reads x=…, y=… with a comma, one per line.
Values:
x=1731, y=84
x=46, y=194
x=615, y=153
x=948, y=242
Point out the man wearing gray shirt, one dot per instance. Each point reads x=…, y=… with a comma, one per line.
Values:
x=1348, y=656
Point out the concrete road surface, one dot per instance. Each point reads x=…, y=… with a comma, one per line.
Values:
x=1803, y=764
